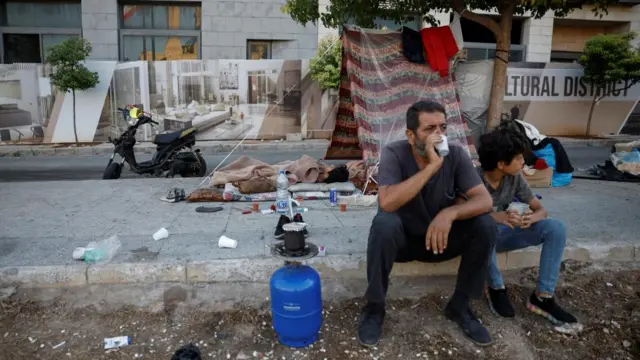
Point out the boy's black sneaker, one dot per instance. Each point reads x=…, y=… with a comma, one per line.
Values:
x=279, y=234
x=499, y=303
x=547, y=308
x=298, y=218
x=370, y=327
x=469, y=324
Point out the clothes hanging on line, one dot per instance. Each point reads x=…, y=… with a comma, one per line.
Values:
x=440, y=46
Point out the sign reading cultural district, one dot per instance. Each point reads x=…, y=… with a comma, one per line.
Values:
x=561, y=85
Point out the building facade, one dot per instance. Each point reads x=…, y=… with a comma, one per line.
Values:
x=129, y=30
x=155, y=30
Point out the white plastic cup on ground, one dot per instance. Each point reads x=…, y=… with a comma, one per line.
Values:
x=161, y=234
x=443, y=146
x=78, y=253
x=225, y=242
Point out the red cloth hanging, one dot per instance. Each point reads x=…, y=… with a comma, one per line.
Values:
x=440, y=46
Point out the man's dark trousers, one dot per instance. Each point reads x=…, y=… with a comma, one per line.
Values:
x=472, y=239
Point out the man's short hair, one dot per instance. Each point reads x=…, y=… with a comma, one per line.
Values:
x=498, y=145
x=424, y=106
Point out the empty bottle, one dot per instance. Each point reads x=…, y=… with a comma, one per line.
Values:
x=282, y=193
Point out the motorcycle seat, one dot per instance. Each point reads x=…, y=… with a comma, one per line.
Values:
x=168, y=138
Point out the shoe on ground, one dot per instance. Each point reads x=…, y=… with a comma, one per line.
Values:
x=279, y=234
x=174, y=195
x=499, y=303
x=370, y=327
x=549, y=309
x=470, y=325
x=298, y=218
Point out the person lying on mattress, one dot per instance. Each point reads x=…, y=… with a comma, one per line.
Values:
x=501, y=154
x=418, y=220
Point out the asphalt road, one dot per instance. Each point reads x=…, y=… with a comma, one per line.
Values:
x=49, y=168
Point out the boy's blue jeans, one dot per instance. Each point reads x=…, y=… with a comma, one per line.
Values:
x=551, y=233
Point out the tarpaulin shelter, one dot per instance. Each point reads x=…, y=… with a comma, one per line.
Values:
x=377, y=87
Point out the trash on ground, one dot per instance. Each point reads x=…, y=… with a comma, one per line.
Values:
x=225, y=242
x=187, y=352
x=78, y=253
x=267, y=211
x=116, y=342
x=570, y=329
x=208, y=209
x=174, y=195
x=101, y=251
x=322, y=251
x=161, y=234
x=59, y=345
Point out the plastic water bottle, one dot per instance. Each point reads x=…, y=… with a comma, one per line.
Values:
x=282, y=193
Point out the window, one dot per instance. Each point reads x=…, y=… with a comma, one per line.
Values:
x=380, y=23
x=257, y=50
x=484, y=51
x=30, y=28
x=160, y=32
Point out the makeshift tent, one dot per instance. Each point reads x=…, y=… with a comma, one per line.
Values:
x=378, y=86
x=473, y=83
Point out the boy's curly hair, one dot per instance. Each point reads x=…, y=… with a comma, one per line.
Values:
x=501, y=144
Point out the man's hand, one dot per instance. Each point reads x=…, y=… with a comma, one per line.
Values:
x=434, y=159
x=531, y=218
x=508, y=218
x=438, y=231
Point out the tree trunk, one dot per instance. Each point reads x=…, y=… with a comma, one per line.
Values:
x=499, y=83
x=593, y=106
x=75, y=131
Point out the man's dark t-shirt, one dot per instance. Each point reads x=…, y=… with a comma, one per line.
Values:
x=457, y=175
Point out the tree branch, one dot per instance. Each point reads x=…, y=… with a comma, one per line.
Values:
x=483, y=20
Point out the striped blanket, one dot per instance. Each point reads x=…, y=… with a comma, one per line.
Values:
x=378, y=86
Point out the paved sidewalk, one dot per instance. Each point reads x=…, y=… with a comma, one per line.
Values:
x=43, y=222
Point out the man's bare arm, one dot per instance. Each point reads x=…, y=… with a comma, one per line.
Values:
x=478, y=202
x=393, y=197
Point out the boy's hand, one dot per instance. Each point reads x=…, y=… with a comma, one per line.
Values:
x=510, y=219
x=530, y=218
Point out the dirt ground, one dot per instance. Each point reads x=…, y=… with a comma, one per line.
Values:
x=606, y=301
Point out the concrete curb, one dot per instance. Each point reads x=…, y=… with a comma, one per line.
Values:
x=206, y=147
x=259, y=270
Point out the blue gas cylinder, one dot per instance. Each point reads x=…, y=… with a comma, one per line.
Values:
x=296, y=304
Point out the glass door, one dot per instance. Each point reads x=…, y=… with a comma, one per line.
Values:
x=22, y=48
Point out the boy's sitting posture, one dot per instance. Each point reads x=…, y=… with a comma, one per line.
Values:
x=501, y=157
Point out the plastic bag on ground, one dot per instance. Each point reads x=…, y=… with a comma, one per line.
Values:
x=102, y=251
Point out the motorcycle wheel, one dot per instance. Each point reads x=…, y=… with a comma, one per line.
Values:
x=112, y=171
x=202, y=169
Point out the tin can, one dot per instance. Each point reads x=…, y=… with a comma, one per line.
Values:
x=333, y=197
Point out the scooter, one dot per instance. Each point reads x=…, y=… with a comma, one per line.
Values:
x=174, y=154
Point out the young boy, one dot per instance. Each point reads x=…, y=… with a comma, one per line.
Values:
x=501, y=155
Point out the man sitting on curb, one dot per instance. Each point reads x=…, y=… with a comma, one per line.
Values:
x=501, y=157
x=418, y=220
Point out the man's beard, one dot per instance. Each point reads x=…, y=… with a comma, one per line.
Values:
x=420, y=147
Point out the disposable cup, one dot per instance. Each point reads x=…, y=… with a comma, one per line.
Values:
x=161, y=234
x=443, y=146
x=225, y=242
x=520, y=208
x=256, y=207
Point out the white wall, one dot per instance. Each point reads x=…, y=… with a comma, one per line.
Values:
x=89, y=106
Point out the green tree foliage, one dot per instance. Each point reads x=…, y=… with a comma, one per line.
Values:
x=325, y=66
x=365, y=12
x=69, y=73
x=609, y=59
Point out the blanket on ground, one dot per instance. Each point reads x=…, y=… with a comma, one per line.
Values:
x=254, y=176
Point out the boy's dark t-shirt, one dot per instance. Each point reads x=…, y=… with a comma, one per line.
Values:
x=510, y=188
x=457, y=175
